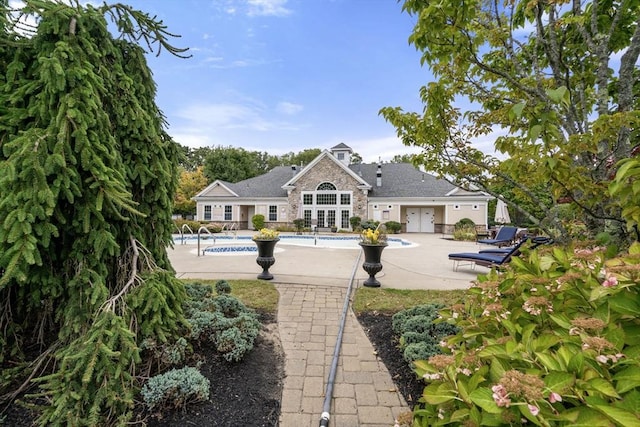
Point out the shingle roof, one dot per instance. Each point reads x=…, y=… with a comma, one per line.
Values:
x=402, y=180
x=398, y=180
x=341, y=146
x=267, y=185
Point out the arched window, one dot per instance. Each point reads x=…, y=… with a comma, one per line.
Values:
x=327, y=206
x=326, y=186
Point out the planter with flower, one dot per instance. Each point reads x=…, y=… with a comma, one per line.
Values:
x=372, y=243
x=266, y=240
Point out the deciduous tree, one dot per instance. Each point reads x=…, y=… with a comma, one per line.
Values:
x=559, y=78
x=189, y=184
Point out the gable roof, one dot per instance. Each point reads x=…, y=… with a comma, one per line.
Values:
x=266, y=185
x=342, y=146
x=326, y=154
x=398, y=180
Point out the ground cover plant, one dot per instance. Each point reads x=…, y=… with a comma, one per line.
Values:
x=188, y=381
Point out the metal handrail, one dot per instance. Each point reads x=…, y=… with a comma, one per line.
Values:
x=203, y=228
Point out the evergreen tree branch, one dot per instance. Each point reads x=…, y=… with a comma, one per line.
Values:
x=110, y=304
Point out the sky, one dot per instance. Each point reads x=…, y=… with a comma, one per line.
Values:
x=282, y=76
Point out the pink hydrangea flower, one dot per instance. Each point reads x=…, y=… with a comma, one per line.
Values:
x=610, y=281
x=500, y=396
x=554, y=397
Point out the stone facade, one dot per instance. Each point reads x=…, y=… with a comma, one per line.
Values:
x=327, y=170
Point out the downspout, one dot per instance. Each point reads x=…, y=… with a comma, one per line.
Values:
x=328, y=395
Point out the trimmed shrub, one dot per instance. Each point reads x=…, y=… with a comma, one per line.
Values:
x=467, y=233
x=369, y=225
x=257, y=221
x=464, y=223
x=175, y=389
x=167, y=354
x=355, y=222
x=393, y=227
x=223, y=320
x=420, y=335
x=223, y=287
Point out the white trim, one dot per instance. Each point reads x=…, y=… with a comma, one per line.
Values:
x=211, y=186
x=326, y=154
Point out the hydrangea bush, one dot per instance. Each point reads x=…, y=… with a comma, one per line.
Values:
x=553, y=340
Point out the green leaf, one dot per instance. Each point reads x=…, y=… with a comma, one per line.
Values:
x=561, y=320
x=437, y=393
x=603, y=386
x=585, y=417
x=559, y=381
x=620, y=416
x=493, y=350
x=483, y=397
x=543, y=342
x=534, y=132
x=549, y=361
x=634, y=249
x=624, y=303
x=627, y=379
x=516, y=110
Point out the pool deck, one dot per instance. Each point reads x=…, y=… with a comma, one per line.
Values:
x=312, y=283
x=425, y=266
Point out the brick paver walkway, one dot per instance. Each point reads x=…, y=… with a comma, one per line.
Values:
x=364, y=394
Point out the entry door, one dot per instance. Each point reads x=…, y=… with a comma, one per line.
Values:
x=413, y=220
x=321, y=216
x=326, y=217
x=420, y=220
x=427, y=220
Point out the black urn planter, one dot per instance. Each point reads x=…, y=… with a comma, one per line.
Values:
x=265, y=257
x=372, y=264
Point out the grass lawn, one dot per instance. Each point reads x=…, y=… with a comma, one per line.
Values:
x=263, y=296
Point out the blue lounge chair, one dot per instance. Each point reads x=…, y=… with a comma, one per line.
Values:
x=506, y=235
x=487, y=259
x=536, y=241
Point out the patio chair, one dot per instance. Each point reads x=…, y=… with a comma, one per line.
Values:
x=506, y=235
x=535, y=242
x=485, y=259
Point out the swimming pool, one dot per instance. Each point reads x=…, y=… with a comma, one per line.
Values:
x=241, y=245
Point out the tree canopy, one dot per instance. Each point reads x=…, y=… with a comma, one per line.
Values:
x=87, y=184
x=559, y=78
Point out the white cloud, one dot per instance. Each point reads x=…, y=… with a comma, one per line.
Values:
x=204, y=124
x=289, y=108
x=268, y=8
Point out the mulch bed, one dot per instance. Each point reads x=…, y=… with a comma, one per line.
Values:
x=248, y=393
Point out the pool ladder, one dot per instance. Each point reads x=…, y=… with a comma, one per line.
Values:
x=226, y=228
x=200, y=230
x=182, y=232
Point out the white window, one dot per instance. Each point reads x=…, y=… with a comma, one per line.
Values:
x=207, y=212
x=273, y=213
x=228, y=216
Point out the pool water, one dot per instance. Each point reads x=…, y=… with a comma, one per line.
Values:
x=238, y=245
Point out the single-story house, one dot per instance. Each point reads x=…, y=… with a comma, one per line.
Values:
x=330, y=190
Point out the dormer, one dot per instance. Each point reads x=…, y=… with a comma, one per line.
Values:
x=342, y=152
